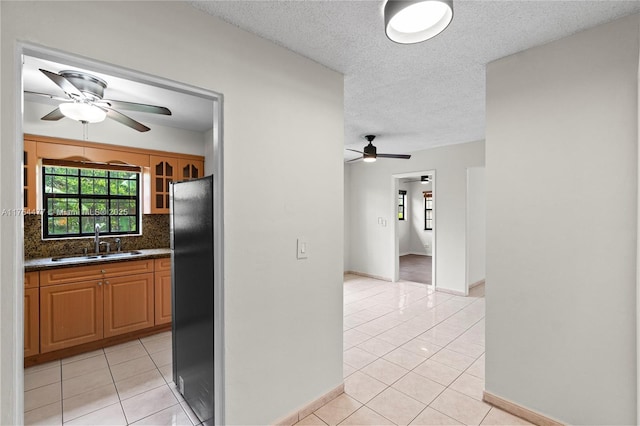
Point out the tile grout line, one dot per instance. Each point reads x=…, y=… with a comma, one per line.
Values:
x=457, y=336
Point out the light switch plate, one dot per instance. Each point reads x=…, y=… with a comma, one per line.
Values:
x=303, y=248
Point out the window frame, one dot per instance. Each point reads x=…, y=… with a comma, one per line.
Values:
x=428, y=210
x=108, y=197
x=402, y=203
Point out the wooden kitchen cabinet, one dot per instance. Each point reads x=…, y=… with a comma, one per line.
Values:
x=82, y=304
x=31, y=314
x=163, y=291
x=70, y=314
x=190, y=169
x=29, y=169
x=163, y=171
x=128, y=304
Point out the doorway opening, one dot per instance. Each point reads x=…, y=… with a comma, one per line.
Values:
x=209, y=145
x=415, y=230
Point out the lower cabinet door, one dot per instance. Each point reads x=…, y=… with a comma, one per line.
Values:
x=128, y=304
x=70, y=314
x=31, y=322
x=163, y=297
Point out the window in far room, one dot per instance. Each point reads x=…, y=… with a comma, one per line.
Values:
x=428, y=210
x=402, y=202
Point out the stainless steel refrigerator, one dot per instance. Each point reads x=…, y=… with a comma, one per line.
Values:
x=192, y=290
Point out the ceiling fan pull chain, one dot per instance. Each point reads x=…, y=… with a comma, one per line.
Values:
x=85, y=130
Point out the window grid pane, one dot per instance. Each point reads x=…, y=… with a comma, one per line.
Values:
x=78, y=198
x=402, y=197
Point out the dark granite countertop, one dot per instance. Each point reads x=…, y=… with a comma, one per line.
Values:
x=46, y=262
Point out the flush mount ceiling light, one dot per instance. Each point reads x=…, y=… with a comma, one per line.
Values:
x=83, y=112
x=408, y=22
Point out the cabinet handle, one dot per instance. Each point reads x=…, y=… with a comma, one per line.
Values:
x=106, y=282
x=103, y=271
x=99, y=282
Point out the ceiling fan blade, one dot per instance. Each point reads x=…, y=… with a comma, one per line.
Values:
x=400, y=156
x=54, y=115
x=355, y=159
x=123, y=119
x=46, y=95
x=349, y=149
x=132, y=106
x=63, y=83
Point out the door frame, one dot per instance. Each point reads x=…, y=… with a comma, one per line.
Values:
x=15, y=383
x=395, y=238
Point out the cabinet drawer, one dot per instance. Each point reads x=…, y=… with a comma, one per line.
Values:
x=92, y=272
x=163, y=264
x=31, y=279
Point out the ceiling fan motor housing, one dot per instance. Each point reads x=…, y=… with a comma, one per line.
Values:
x=86, y=83
x=370, y=151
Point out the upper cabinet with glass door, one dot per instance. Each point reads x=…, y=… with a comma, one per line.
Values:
x=169, y=169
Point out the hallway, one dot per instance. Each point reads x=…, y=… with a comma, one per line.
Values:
x=412, y=356
x=416, y=268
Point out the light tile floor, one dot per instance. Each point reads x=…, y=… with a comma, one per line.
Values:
x=121, y=385
x=411, y=356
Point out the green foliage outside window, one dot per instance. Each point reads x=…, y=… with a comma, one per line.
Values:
x=76, y=199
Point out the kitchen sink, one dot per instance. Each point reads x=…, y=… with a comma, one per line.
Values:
x=84, y=257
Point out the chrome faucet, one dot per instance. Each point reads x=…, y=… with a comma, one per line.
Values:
x=97, y=238
x=118, y=245
x=106, y=244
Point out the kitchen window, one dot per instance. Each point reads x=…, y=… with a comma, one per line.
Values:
x=402, y=202
x=77, y=197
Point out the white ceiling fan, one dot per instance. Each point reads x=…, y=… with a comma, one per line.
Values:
x=85, y=103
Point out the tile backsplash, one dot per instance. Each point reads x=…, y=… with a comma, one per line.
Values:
x=155, y=234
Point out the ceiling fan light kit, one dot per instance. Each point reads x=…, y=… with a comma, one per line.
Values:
x=408, y=22
x=370, y=153
x=82, y=112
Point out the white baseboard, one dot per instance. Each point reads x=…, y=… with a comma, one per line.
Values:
x=309, y=408
x=477, y=283
x=519, y=411
x=449, y=291
x=415, y=253
x=362, y=274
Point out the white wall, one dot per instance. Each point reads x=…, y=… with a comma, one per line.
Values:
x=420, y=237
x=404, y=226
x=209, y=164
x=346, y=265
x=476, y=224
x=283, y=317
x=561, y=226
x=372, y=196
x=162, y=138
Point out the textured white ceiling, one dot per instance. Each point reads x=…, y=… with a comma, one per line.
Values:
x=413, y=96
